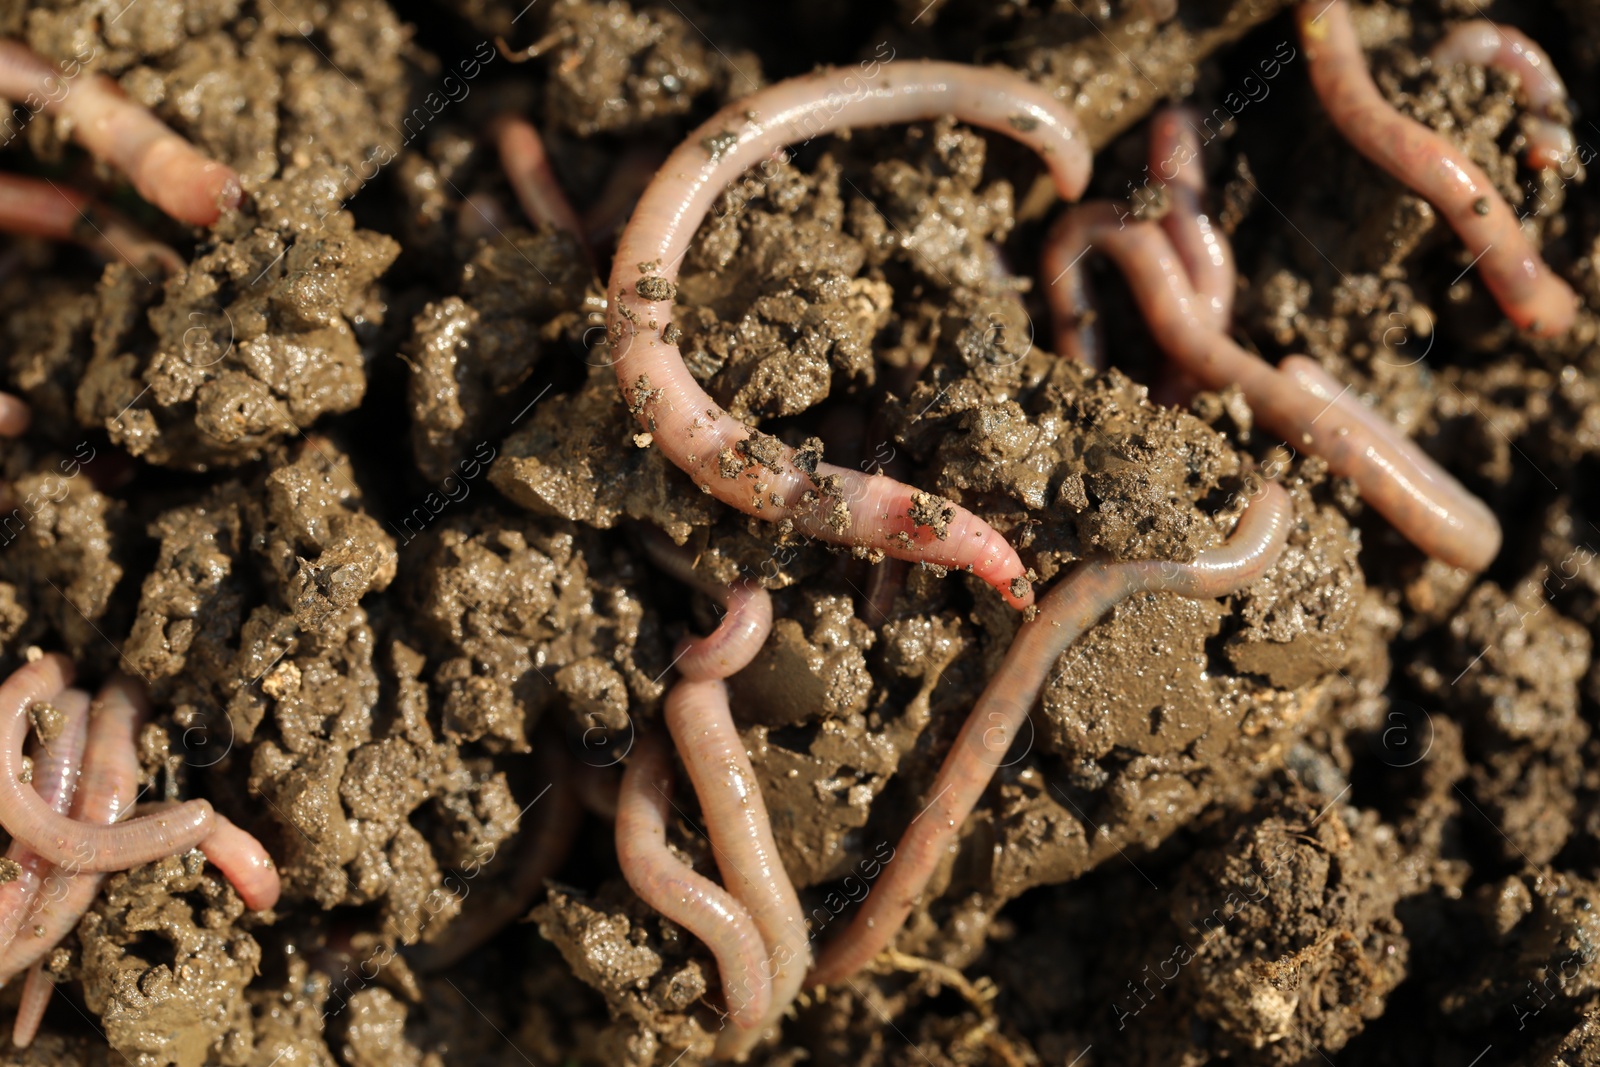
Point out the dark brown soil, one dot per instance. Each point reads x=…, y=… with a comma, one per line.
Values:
x=357, y=496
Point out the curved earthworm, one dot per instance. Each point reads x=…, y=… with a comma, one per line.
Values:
x=541, y=850
x=55, y=779
x=1529, y=293
x=243, y=862
x=672, y=887
x=165, y=169
x=14, y=416
x=1203, y=257
x=1433, y=510
x=108, y=784
x=760, y=478
x=1175, y=162
x=701, y=723
x=64, y=841
x=44, y=209
x=236, y=852
x=527, y=167
x=1074, y=605
x=1540, y=89
x=746, y=619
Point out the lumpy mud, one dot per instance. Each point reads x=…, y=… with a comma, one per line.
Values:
x=355, y=494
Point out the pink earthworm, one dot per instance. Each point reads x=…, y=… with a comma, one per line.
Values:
x=236, y=852
x=165, y=169
x=64, y=841
x=55, y=779
x=1074, y=234
x=1529, y=293
x=14, y=416
x=527, y=167
x=36, y=991
x=107, y=787
x=542, y=849
x=75, y=758
x=44, y=209
x=746, y=618
x=1433, y=510
x=834, y=504
x=701, y=724
x=1175, y=162
x=1203, y=253
x=677, y=891
x=1487, y=44
x=108, y=784
x=1072, y=607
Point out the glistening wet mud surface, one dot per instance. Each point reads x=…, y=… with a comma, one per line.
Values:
x=357, y=496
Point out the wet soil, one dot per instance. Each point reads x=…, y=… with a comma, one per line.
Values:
x=356, y=495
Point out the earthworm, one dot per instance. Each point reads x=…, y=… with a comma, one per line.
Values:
x=701, y=724
x=1529, y=293
x=55, y=779
x=674, y=889
x=243, y=861
x=1175, y=148
x=14, y=416
x=527, y=167
x=746, y=619
x=108, y=784
x=707, y=443
x=1540, y=89
x=1433, y=510
x=235, y=852
x=36, y=990
x=541, y=850
x=165, y=169
x=45, y=209
x=1074, y=605
x=64, y=841
x=1203, y=253
x=1071, y=302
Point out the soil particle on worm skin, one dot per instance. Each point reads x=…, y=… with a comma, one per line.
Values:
x=1348, y=813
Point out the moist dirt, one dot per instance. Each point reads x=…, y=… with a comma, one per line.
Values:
x=355, y=493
